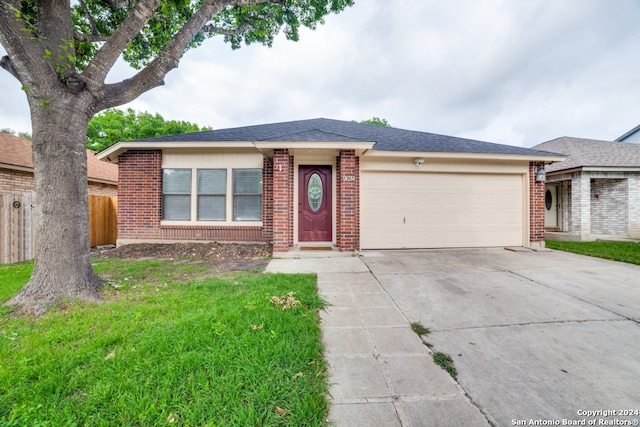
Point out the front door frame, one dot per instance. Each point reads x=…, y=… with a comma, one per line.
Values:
x=314, y=161
x=554, y=190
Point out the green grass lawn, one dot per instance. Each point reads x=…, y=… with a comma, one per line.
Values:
x=618, y=251
x=164, y=349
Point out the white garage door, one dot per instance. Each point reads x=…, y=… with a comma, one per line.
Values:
x=429, y=210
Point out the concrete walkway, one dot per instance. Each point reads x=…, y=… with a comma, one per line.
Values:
x=381, y=374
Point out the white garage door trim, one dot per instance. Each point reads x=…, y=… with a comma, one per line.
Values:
x=441, y=210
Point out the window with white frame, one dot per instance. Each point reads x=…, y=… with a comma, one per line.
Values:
x=247, y=194
x=176, y=194
x=212, y=194
x=211, y=188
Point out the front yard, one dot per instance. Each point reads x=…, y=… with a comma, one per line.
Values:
x=628, y=252
x=171, y=345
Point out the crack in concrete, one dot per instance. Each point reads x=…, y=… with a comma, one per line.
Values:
x=573, y=296
x=460, y=387
x=549, y=322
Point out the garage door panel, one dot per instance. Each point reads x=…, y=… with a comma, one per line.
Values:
x=423, y=210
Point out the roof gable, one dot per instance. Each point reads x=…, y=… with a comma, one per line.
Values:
x=628, y=135
x=17, y=152
x=328, y=130
x=592, y=153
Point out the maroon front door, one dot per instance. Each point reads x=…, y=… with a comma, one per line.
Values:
x=314, y=204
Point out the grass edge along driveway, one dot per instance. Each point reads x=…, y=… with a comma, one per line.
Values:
x=239, y=349
x=628, y=252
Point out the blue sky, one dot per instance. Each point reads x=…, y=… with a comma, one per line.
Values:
x=507, y=71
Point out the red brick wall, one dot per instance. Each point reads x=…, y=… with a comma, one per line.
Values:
x=140, y=194
x=140, y=205
x=14, y=180
x=282, y=201
x=212, y=233
x=348, y=205
x=536, y=205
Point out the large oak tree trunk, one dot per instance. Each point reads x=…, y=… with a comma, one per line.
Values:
x=62, y=268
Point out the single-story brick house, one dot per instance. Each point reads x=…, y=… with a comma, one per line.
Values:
x=328, y=182
x=16, y=169
x=595, y=193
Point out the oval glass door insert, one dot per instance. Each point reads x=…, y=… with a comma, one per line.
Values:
x=548, y=200
x=314, y=192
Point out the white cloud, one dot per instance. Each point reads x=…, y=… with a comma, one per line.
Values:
x=505, y=71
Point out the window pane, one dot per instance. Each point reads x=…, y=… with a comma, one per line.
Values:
x=212, y=181
x=176, y=181
x=212, y=208
x=247, y=181
x=247, y=208
x=176, y=207
x=314, y=192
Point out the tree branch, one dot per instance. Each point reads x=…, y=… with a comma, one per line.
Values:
x=92, y=23
x=212, y=29
x=99, y=67
x=120, y=3
x=7, y=65
x=154, y=73
x=24, y=51
x=91, y=38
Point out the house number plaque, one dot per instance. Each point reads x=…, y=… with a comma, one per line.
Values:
x=348, y=178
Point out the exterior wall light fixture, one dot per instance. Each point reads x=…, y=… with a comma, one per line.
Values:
x=541, y=175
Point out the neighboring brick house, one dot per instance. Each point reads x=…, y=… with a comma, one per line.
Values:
x=16, y=169
x=595, y=193
x=329, y=183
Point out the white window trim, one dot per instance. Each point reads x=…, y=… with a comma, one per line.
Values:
x=228, y=202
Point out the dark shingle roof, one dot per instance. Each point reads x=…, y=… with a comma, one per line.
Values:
x=591, y=153
x=328, y=130
x=16, y=151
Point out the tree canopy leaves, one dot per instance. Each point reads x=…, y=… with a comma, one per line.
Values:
x=62, y=51
x=114, y=125
x=376, y=121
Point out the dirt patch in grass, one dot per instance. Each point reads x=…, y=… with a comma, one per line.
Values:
x=223, y=256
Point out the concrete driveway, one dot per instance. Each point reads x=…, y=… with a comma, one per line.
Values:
x=534, y=335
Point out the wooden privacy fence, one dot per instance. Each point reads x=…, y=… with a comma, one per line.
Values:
x=103, y=220
x=17, y=224
x=17, y=227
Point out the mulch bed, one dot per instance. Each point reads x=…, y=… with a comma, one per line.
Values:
x=225, y=256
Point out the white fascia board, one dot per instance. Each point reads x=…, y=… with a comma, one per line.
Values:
x=332, y=148
x=610, y=169
x=103, y=181
x=595, y=169
x=111, y=154
x=317, y=145
x=456, y=155
x=15, y=167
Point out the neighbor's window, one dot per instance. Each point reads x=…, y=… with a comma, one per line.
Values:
x=212, y=194
x=176, y=194
x=247, y=194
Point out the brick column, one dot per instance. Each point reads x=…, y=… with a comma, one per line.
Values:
x=348, y=209
x=282, y=200
x=581, y=204
x=634, y=206
x=536, y=206
x=267, y=199
x=139, y=194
